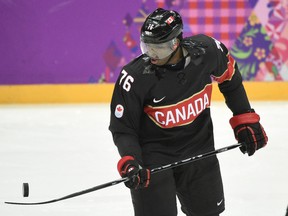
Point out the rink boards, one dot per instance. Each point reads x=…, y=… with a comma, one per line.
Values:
x=101, y=93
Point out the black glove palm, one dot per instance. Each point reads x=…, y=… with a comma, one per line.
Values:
x=247, y=129
x=138, y=177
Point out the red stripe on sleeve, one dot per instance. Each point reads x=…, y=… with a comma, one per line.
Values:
x=228, y=73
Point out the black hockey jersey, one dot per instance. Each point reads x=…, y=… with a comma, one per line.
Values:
x=160, y=116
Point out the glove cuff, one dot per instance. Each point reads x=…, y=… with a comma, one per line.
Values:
x=245, y=118
x=122, y=161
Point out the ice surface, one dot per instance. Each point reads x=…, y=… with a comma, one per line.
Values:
x=62, y=149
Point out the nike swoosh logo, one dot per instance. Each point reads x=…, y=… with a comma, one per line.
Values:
x=219, y=203
x=157, y=101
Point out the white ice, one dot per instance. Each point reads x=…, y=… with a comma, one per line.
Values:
x=62, y=149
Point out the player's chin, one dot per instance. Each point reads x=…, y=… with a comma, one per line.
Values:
x=158, y=62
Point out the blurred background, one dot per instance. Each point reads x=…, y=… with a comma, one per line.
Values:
x=59, y=51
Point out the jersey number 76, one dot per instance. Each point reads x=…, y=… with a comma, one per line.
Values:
x=127, y=81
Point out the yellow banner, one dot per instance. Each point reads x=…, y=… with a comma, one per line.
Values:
x=101, y=93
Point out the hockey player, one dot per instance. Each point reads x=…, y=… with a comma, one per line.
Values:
x=160, y=113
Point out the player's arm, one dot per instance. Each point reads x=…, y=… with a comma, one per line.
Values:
x=245, y=121
x=126, y=110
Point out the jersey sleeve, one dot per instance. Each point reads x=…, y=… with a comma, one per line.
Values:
x=126, y=109
x=229, y=79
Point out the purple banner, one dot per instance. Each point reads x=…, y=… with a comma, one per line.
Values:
x=88, y=41
x=63, y=41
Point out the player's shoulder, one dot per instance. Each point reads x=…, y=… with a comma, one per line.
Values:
x=199, y=46
x=213, y=43
x=203, y=40
x=200, y=38
x=138, y=68
x=210, y=44
x=136, y=77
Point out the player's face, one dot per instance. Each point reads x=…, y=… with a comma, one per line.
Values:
x=160, y=62
x=159, y=53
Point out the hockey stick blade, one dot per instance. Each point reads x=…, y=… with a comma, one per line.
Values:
x=89, y=190
x=155, y=170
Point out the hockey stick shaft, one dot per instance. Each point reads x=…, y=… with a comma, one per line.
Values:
x=155, y=170
x=195, y=158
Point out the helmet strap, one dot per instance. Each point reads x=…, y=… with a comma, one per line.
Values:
x=172, y=55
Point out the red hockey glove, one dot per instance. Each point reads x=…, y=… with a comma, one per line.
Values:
x=247, y=129
x=129, y=167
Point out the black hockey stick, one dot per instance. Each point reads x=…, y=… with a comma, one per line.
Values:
x=115, y=182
